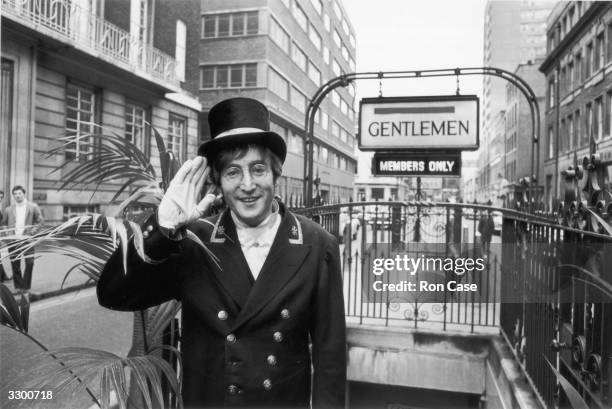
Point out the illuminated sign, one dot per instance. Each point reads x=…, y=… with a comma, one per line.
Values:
x=432, y=122
x=417, y=164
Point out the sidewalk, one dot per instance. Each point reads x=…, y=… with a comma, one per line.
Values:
x=47, y=276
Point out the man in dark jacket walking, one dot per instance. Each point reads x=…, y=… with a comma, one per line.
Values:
x=486, y=226
x=265, y=305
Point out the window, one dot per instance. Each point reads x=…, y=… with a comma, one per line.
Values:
x=324, y=121
x=352, y=65
x=343, y=107
x=315, y=37
x=570, y=132
x=318, y=5
x=578, y=71
x=279, y=35
x=589, y=126
x=180, y=49
x=80, y=120
x=609, y=50
x=135, y=125
x=551, y=143
x=298, y=100
x=299, y=57
x=335, y=129
x=336, y=98
x=378, y=193
x=589, y=60
x=599, y=52
x=314, y=73
x=337, y=9
x=287, y=3
x=352, y=40
x=551, y=92
x=577, y=133
x=336, y=67
x=278, y=84
x=598, y=119
x=177, y=128
x=609, y=113
x=297, y=144
x=562, y=136
x=230, y=24
x=345, y=27
x=323, y=155
x=570, y=75
x=326, y=55
x=337, y=39
x=300, y=16
x=228, y=76
x=327, y=22
x=70, y=211
x=345, y=53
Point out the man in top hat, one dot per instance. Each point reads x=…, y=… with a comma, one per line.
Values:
x=262, y=309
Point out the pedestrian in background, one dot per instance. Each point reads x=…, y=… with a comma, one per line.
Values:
x=3, y=276
x=25, y=218
x=485, y=228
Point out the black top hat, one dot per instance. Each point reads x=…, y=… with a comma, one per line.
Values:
x=238, y=121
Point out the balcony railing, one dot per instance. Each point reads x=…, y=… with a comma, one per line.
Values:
x=65, y=21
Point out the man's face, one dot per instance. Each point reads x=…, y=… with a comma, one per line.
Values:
x=19, y=196
x=247, y=185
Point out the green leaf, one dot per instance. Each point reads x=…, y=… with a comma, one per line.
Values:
x=572, y=394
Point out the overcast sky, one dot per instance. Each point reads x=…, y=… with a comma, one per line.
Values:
x=412, y=35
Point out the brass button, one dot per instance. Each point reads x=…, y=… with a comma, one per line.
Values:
x=222, y=315
x=232, y=389
x=285, y=313
x=149, y=228
x=278, y=336
x=267, y=384
x=271, y=360
x=145, y=234
x=231, y=338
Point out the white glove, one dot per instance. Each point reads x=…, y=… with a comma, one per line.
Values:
x=179, y=206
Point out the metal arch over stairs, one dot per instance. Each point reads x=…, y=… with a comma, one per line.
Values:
x=345, y=79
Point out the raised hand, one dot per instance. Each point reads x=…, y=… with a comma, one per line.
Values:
x=180, y=205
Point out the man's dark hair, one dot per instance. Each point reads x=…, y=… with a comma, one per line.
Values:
x=18, y=187
x=2, y=193
x=226, y=156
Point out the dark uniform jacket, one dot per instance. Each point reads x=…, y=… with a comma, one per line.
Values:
x=245, y=342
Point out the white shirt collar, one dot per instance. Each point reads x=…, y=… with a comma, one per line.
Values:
x=260, y=235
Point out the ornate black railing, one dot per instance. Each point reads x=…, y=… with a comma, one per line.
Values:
x=546, y=286
x=383, y=230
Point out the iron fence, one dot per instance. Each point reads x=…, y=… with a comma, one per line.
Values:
x=546, y=286
x=370, y=231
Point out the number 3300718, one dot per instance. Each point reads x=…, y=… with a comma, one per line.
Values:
x=30, y=395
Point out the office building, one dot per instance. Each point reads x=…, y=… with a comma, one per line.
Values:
x=280, y=52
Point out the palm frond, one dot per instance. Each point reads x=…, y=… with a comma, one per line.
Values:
x=115, y=159
x=13, y=314
x=159, y=317
x=574, y=397
x=82, y=367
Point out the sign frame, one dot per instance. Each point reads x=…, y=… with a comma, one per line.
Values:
x=420, y=99
x=424, y=155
